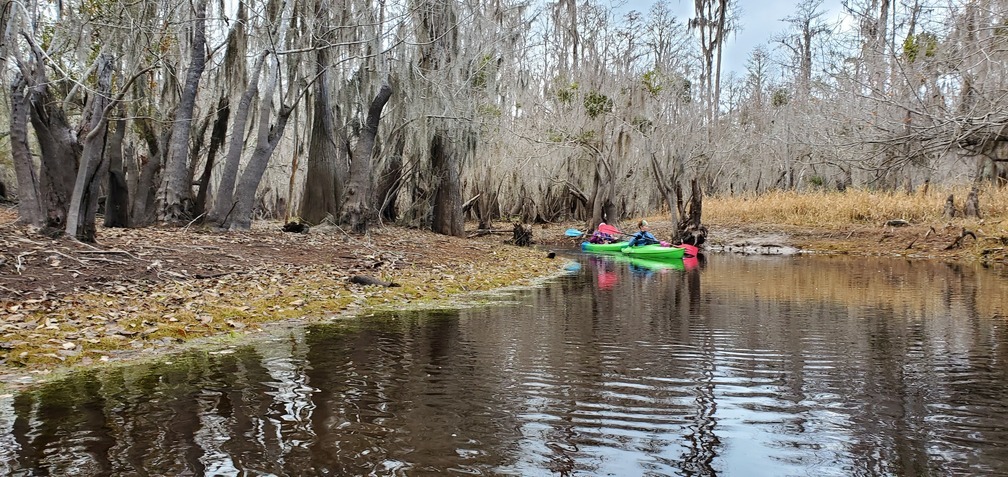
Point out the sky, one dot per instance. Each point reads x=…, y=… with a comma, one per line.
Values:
x=760, y=20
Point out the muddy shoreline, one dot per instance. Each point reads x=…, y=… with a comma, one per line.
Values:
x=146, y=292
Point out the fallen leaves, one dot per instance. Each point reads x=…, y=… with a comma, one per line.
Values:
x=62, y=302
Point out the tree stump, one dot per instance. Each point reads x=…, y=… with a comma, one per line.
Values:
x=950, y=208
x=522, y=235
x=690, y=230
x=972, y=206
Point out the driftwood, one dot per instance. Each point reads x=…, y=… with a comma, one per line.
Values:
x=366, y=280
x=927, y=234
x=958, y=241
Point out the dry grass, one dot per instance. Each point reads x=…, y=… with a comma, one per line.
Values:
x=854, y=207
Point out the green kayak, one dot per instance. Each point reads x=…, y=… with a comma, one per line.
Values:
x=603, y=247
x=654, y=252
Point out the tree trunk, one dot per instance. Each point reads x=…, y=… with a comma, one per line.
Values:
x=390, y=181
x=245, y=193
x=217, y=136
x=117, y=201
x=357, y=208
x=60, y=155
x=29, y=209
x=445, y=162
x=323, y=184
x=224, y=202
x=176, y=184
x=84, y=201
x=667, y=192
x=690, y=228
x=145, y=170
x=267, y=137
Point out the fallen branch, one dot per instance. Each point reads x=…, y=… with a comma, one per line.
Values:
x=926, y=235
x=214, y=275
x=57, y=252
x=10, y=290
x=468, y=204
x=100, y=259
x=114, y=251
x=19, y=266
x=958, y=241
x=482, y=232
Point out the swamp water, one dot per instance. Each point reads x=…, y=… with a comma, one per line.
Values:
x=742, y=366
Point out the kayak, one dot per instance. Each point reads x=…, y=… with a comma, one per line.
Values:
x=604, y=247
x=654, y=252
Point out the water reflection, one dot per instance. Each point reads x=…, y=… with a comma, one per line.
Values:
x=736, y=366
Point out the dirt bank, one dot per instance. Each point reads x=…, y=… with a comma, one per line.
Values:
x=938, y=241
x=66, y=304
x=142, y=291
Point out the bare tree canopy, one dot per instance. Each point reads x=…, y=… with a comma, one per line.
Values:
x=227, y=112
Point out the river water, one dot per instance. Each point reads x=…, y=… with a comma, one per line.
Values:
x=742, y=366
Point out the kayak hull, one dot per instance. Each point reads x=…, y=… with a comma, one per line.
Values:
x=604, y=247
x=654, y=252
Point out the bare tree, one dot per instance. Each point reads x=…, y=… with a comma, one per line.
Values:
x=357, y=209
x=176, y=194
x=224, y=203
x=712, y=25
x=93, y=168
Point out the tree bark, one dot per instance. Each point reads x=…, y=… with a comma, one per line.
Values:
x=145, y=190
x=217, y=136
x=323, y=184
x=60, y=155
x=29, y=209
x=445, y=162
x=267, y=137
x=84, y=200
x=390, y=181
x=357, y=208
x=224, y=202
x=176, y=185
x=117, y=200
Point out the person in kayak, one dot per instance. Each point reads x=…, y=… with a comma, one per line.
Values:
x=605, y=233
x=643, y=237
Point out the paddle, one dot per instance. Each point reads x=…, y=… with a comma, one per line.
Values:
x=573, y=233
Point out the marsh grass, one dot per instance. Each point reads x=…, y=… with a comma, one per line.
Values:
x=835, y=209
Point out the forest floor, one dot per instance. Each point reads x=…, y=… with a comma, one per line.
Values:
x=140, y=292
